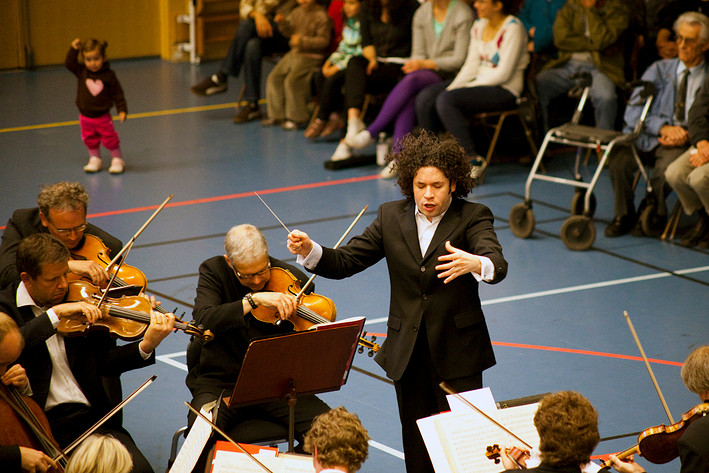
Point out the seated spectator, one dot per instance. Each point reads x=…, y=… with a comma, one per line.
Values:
x=492, y=77
x=441, y=34
x=665, y=42
x=287, y=86
x=689, y=174
x=256, y=36
x=386, y=43
x=665, y=135
x=329, y=80
x=538, y=18
x=338, y=442
x=587, y=34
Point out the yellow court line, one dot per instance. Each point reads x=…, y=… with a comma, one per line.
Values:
x=157, y=113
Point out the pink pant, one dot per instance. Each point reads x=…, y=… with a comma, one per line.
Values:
x=97, y=130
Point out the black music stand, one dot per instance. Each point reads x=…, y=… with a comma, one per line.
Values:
x=309, y=362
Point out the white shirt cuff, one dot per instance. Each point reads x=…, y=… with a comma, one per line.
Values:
x=53, y=318
x=487, y=269
x=144, y=355
x=313, y=258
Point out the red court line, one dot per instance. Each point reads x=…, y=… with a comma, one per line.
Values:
x=568, y=350
x=240, y=195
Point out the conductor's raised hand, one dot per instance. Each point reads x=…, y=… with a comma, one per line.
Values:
x=299, y=243
x=456, y=263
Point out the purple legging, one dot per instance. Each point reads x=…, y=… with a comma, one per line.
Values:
x=400, y=105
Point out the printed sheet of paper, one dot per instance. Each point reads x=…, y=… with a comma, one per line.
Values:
x=194, y=443
x=237, y=462
x=457, y=441
x=481, y=398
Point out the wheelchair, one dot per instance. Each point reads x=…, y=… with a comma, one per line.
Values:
x=578, y=231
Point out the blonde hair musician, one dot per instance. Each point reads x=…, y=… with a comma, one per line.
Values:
x=100, y=454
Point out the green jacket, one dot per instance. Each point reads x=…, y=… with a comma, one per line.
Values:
x=606, y=24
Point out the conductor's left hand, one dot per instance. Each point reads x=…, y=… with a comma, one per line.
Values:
x=456, y=263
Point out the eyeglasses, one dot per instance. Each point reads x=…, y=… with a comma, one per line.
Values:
x=687, y=41
x=67, y=231
x=248, y=277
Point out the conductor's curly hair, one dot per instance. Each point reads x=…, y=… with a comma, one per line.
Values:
x=423, y=149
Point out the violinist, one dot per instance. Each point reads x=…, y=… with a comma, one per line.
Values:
x=66, y=372
x=61, y=212
x=231, y=286
x=15, y=458
x=438, y=247
x=338, y=442
x=693, y=446
x=567, y=424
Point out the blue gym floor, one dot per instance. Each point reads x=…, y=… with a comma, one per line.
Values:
x=556, y=320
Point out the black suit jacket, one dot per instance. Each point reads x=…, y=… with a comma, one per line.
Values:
x=693, y=447
x=90, y=357
x=455, y=324
x=26, y=222
x=218, y=307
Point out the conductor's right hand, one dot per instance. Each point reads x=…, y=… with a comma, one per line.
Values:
x=285, y=304
x=78, y=309
x=299, y=243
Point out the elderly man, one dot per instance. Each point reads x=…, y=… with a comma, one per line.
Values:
x=666, y=134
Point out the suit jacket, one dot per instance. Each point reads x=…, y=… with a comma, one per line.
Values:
x=11, y=459
x=26, y=222
x=215, y=365
x=455, y=324
x=694, y=447
x=90, y=357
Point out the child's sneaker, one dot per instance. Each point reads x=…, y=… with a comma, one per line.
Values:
x=116, y=166
x=94, y=164
x=360, y=140
x=341, y=152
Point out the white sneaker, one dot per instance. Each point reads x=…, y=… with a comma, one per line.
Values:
x=478, y=168
x=94, y=164
x=341, y=152
x=116, y=166
x=360, y=140
x=388, y=172
x=354, y=126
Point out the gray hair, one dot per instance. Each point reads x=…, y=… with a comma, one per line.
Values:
x=695, y=370
x=245, y=244
x=694, y=18
x=63, y=196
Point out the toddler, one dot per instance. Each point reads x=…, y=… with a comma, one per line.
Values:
x=288, y=84
x=97, y=91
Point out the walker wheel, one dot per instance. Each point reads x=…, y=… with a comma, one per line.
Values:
x=651, y=223
x=522, y=220
x=577, y=203
x=578, y=233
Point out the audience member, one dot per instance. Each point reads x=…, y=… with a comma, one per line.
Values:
x=61, y=212
x=97, y=91
x=665, y=135
x=689, y=174
x=436, y=329
x=538, y=18
x=567, y=425
x=13, y=458
x=492, y=77
x=441, y=34
x=588, y=35
x=330, y=79
x=692, y=445
x=386, y=44
x=338, y=442
x=665, y=42
x=287, y=86
x=257, y=35
x=66, y=372
x=100, y=454
x=230, y=287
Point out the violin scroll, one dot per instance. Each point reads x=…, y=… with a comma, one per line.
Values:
x=517, y=455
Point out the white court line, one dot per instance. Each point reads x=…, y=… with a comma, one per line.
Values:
x=391, y=451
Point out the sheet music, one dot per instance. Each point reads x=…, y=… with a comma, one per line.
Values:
x=237, y=462
x=195, y=442
x=481, y=398
x=457, y=441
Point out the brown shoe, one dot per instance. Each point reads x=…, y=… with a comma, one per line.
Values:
x=314, y=129
x=247, y=113
x=334, y=124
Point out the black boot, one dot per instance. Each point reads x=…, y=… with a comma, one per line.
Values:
x=692, y=237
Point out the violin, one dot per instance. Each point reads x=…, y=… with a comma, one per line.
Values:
x=94, y=249
x=313, y=309
x=519, y=456
x=126, y=317
x=25, y=425
x=659, y=444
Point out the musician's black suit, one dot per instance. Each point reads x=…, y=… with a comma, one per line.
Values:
x=435, y=331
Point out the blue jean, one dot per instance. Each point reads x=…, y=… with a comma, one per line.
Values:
x=247, y=50
x=554, y=82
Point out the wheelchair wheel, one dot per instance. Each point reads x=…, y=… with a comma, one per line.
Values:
x=578, y=233
x=577, y=203
x=522, y=220
x=652, y=224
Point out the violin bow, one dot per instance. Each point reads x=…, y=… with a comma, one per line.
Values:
x=647, y=365
x=444, y=386
x=221, y=432
x=105, y=418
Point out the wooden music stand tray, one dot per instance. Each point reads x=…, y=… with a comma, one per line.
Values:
x=309, y=362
